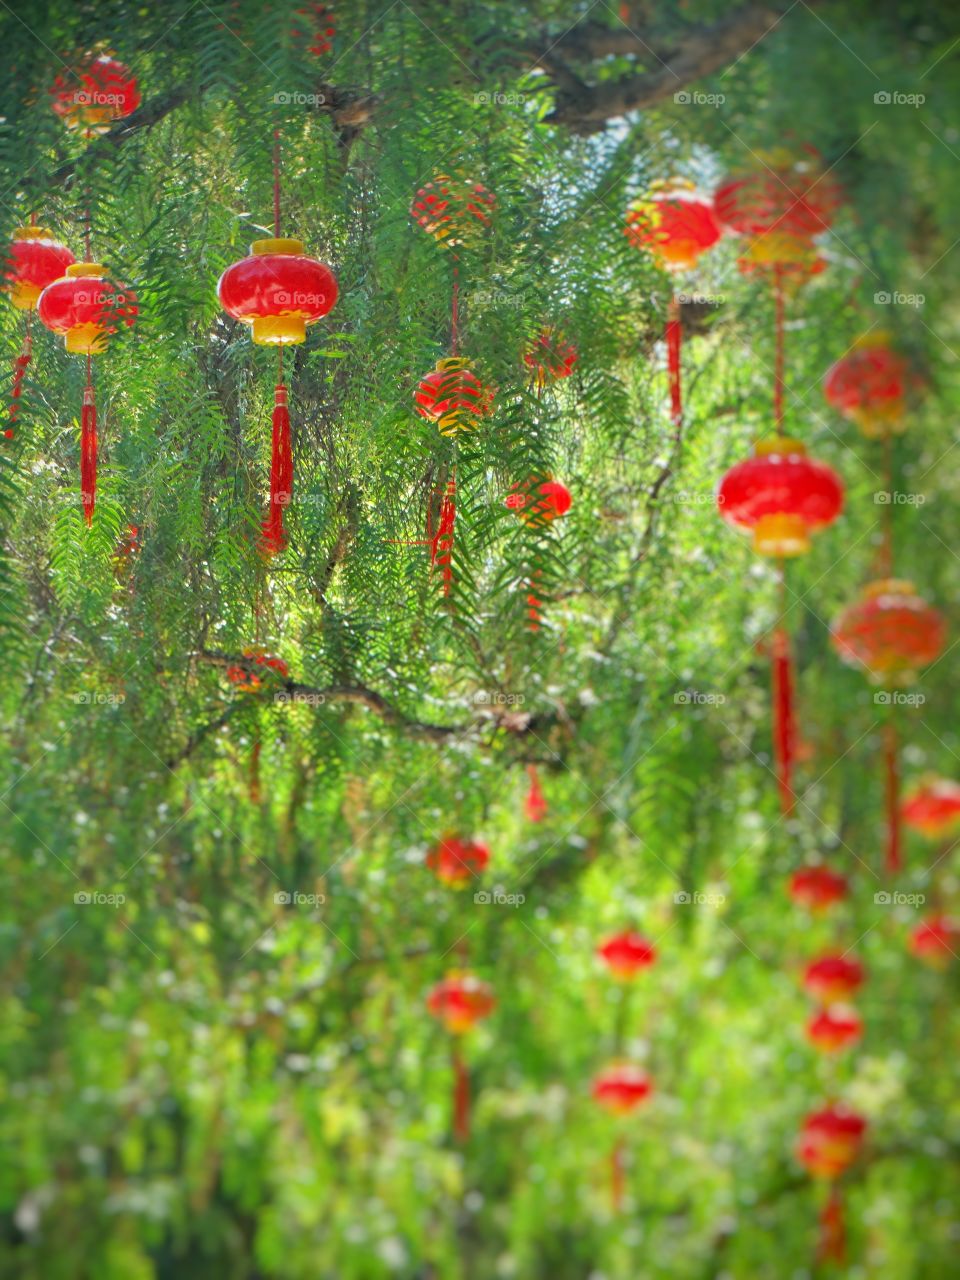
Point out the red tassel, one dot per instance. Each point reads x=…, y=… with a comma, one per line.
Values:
x=535, y=804
x=254, y=790
x=534, y=603
x=88, y=453
x=617, y=1176
x=892, y=767
x=674, y=336
x=461, y=1097
x=281, y=474
x=832, y=1246
x=19, y=369
x=784, y=717
x=441, y=543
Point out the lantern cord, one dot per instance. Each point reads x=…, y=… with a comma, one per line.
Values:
x=86, y=231
x=832, y=1246
x=894, y=862
x=455, y=309
x=88, y=448
x=276, y=183
x=535, y=804
x=461, y=1096
x=274, y=537
x=779, y=381
x=617, y=1177
x=534, y=603
x=886, y=550
x=784, y=703
x=19, y=370
x=441, y=542
x=674, y=336
x=254, y=790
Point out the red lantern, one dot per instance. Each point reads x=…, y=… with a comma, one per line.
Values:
x=830, y=1140
x=453, y=209
x=889, y=631
x=933, y=808
x=621, y=1088
x=321, y=17
x=34, y=260
x=278, y=291
x=781, y=496
x=460, y=1001
x=869, y=386
x=789, y=193
x=535, y=802
x=457, y=861
x=453, y=396
x=625, y=954
x=673, y=224
x=256, y=669
x=538, y=502
x=817, y=887
x=790, y=259
x=936, y=941
x=834, y=1028
x=550, y=356
x=833, y=978
x=95, y=95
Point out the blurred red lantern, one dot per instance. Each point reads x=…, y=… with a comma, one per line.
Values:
x=256, y=669
x=789, y=192
x=538, y=502
x=321, y=18
x=278, y=291
x=453, y=209
x=457, y=861
x=453, y=396
x=34, y=260
x=626, y=953
x=97, y=93
x=835, y=1028
x=933, y=808
x=833, y=977
x=460, y=1001
x=869, y=386
x=817, y=887
x=673, y=224
x=86, y=307
x=831, y=1140
x=550, y=356
x=889, y=631
x=781, y=496
x=936, y=940
x=535, y=802
x=621, y=1088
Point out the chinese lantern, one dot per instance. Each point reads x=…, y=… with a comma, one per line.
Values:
x=936, y=941
x=868, y=385
x=538, y=502
x=457, y=861
x=620, y=1089
x=890, y=632
x=830, y=1140
x=34, y=259
x=460, y=1001
x=833, y=978
x=256, y=669
x=453, y=396
x=789, y=192
x=817, y=887
x=626, y=954
x=86, y=308
x=550, y=356
x=933, y=808
x=834, y=1028
x=535, y=802
x=453, y=209
x=95, y=95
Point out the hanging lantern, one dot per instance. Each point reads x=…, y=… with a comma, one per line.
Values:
x=460, y=1001
x=936, y=941
x=833, y=978
x=673, y=224
x=535, y=802
x=453, y=396
x=95, y=95
x=34, y=259
x=456, y=862
x=831, y=1140
x=869, y=386
x=626, y=954
x=453, y=209
x=933, y=808
x=791, y=259
x=538, y=502
x=890, y=632
x=621, y=1088
x=817, y=887
x=781, y=496
x=550, y=356
x=256, y=669
x=834, y=1029
x=788, y=192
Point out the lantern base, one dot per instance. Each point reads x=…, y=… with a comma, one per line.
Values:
x=85, y=340
x=279, y=331
x=780, y=534
x=24, y=295
x=877, y=424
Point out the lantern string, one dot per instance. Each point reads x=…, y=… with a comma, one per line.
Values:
x=19, y=370
x=617, y=1178
x=894, y=859
x=779, y=381
x=832, y=1245
x=88, y=447
x=455, y=309
x=886, y=550
x=784, y=698
x=674, y=337
x=254, y=790
x=461, y=1096
x=276, y=183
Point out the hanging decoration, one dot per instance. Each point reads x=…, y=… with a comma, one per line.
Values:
x=869, y=386
x=535, y=802
x=34, y=259
x=257, y=672
x=456, y=861
x=550, y=357
x=459, y=1002
x=789, y=193
x=833, y=978
x=936, y=940
x=453, y=397
x=320, y=19
x=620, y=1088
x=278, y=290
x=817, y=888
x=834, y=1028
x=95, y=95
x=830, y=1142
x=538, y=502
x=626, y=954
x=933, y=808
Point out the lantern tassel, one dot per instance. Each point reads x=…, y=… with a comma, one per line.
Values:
x=441, y=542
x=254, y=790
x=832, y=1246
x=784, y=717
x=461, y=1096
x=892, y=770
x=19, y=369
x=534, y=603
x=88, y=451
x=617, y=1176
x=674, y=337
x=281, y=473
x=535, y=804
